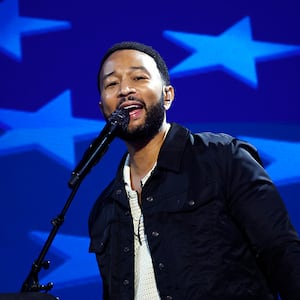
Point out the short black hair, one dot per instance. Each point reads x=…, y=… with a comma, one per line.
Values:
x=131, y=45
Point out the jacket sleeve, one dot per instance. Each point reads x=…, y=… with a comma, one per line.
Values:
x=257, y=208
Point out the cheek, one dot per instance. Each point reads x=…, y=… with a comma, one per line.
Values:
x=107, y=110
x=155, y=91
x=108, y=105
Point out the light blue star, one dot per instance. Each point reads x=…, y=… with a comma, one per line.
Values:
x=51, y=129
x=233, y=51
x=284, y=156
x=12, y=26
x=79, y=265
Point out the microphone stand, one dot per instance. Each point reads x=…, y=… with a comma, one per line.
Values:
x=31, y=284
x=97, y=149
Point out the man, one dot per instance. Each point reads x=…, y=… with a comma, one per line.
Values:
x=188, y=216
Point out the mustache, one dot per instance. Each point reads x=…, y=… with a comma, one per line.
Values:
x=133, y=100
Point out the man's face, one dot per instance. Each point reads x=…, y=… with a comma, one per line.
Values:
x=130, y=79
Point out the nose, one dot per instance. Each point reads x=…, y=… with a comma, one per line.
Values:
x=126, y=89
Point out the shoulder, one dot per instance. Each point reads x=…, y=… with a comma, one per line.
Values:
x=181, y=133
x=208, y=140
x=104, y=200
x=211, y=138
x=104, y=205
x=225, y=144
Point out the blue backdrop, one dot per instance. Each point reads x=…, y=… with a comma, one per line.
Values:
x=235, y=67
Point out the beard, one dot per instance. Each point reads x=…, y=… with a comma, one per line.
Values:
x=141, y=134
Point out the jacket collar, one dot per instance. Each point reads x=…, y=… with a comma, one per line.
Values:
x=170, y=155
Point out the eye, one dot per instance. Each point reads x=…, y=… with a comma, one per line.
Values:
x=137, y=78
x=110, y=84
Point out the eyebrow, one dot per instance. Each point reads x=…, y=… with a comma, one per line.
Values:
x=131, y=68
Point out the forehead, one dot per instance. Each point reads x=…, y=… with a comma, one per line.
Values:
x=128, y=59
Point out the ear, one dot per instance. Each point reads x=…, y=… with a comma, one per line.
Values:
x=169, y=94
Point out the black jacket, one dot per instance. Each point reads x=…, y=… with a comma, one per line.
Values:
x=216, y=226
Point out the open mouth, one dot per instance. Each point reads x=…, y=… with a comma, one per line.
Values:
x=133, y=109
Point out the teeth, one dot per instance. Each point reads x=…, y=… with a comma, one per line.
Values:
x=131, y=107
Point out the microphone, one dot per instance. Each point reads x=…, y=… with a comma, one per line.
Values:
x=119, y=119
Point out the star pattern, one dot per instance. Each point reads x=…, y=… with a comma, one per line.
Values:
x=52, y=129
x=233, y=51
x=12, y=27
x=284, y=156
